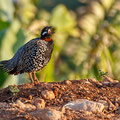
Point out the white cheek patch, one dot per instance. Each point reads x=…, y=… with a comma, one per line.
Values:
x=44, y=33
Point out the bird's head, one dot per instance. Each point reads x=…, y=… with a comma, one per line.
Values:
x=47, y=32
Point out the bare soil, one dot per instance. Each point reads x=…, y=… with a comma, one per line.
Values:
x=64, y=93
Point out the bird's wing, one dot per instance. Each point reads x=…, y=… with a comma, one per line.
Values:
x=27, y=56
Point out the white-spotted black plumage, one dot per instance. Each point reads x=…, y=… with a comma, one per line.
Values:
x=31, y=57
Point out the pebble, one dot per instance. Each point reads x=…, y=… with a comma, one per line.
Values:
x=49, y=95
x=68, y=82
x=94, y=81
x=107, y=81
x=29, y=106
x=105, y=103
x=85, y=105
x=111, y=106
x=118, y=85
x=4, y=105
x=39, y=103
x=47, y=114
x=19, y=104
x=26, y=106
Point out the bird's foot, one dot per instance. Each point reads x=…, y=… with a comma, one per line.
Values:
x=36, y=81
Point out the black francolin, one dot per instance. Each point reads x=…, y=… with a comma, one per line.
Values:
x=31, y=57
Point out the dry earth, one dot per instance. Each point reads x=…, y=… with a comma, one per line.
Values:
x=48, y=101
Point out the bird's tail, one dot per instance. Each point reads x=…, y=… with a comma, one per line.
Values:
x=8, y=66
x=4, y=65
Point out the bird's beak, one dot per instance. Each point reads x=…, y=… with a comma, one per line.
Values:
x=51, y=30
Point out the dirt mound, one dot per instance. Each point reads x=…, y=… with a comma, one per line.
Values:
x=48, y=101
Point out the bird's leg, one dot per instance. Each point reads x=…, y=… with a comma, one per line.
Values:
x=35, y=78
x=30, y=75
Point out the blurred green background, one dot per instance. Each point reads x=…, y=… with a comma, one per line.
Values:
x=87, y=37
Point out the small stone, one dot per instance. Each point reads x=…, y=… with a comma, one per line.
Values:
x=47, y=114
x=20, y=104
x=49, y=95
x=104, y=103
x=118, y=85
x=111, y=106
x=39, y=103
x=85, y=105
x=107, y=81
x=110, y=116
x=30, y=97
x=4, y=105
x=92, y=80
x=62, y=109
x=68, y=82
x=27, y=106
x=85, y=81
x=116, y=81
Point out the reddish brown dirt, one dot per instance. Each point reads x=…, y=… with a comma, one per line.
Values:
x=65, y=92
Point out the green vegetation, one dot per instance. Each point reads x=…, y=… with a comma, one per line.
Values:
x=87, y=37
x=13, y=90
x=101, y=75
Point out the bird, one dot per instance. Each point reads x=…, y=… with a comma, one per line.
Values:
x=32, y=56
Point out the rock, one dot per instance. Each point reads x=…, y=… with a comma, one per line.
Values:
x=85, y=105
x=85, y=81
x=49, y=95
x=105, y=103
x=94, y=81
x=116, y=118
x=29, y=106
x=68, y=82
x=26, y=106
x=107, y=81
x=4, y=105
x=117, y=100
x=47, y=114
x=109, y=116
x=111, y=106
x=39, y=103
x=20, y=104
x=118, y=85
